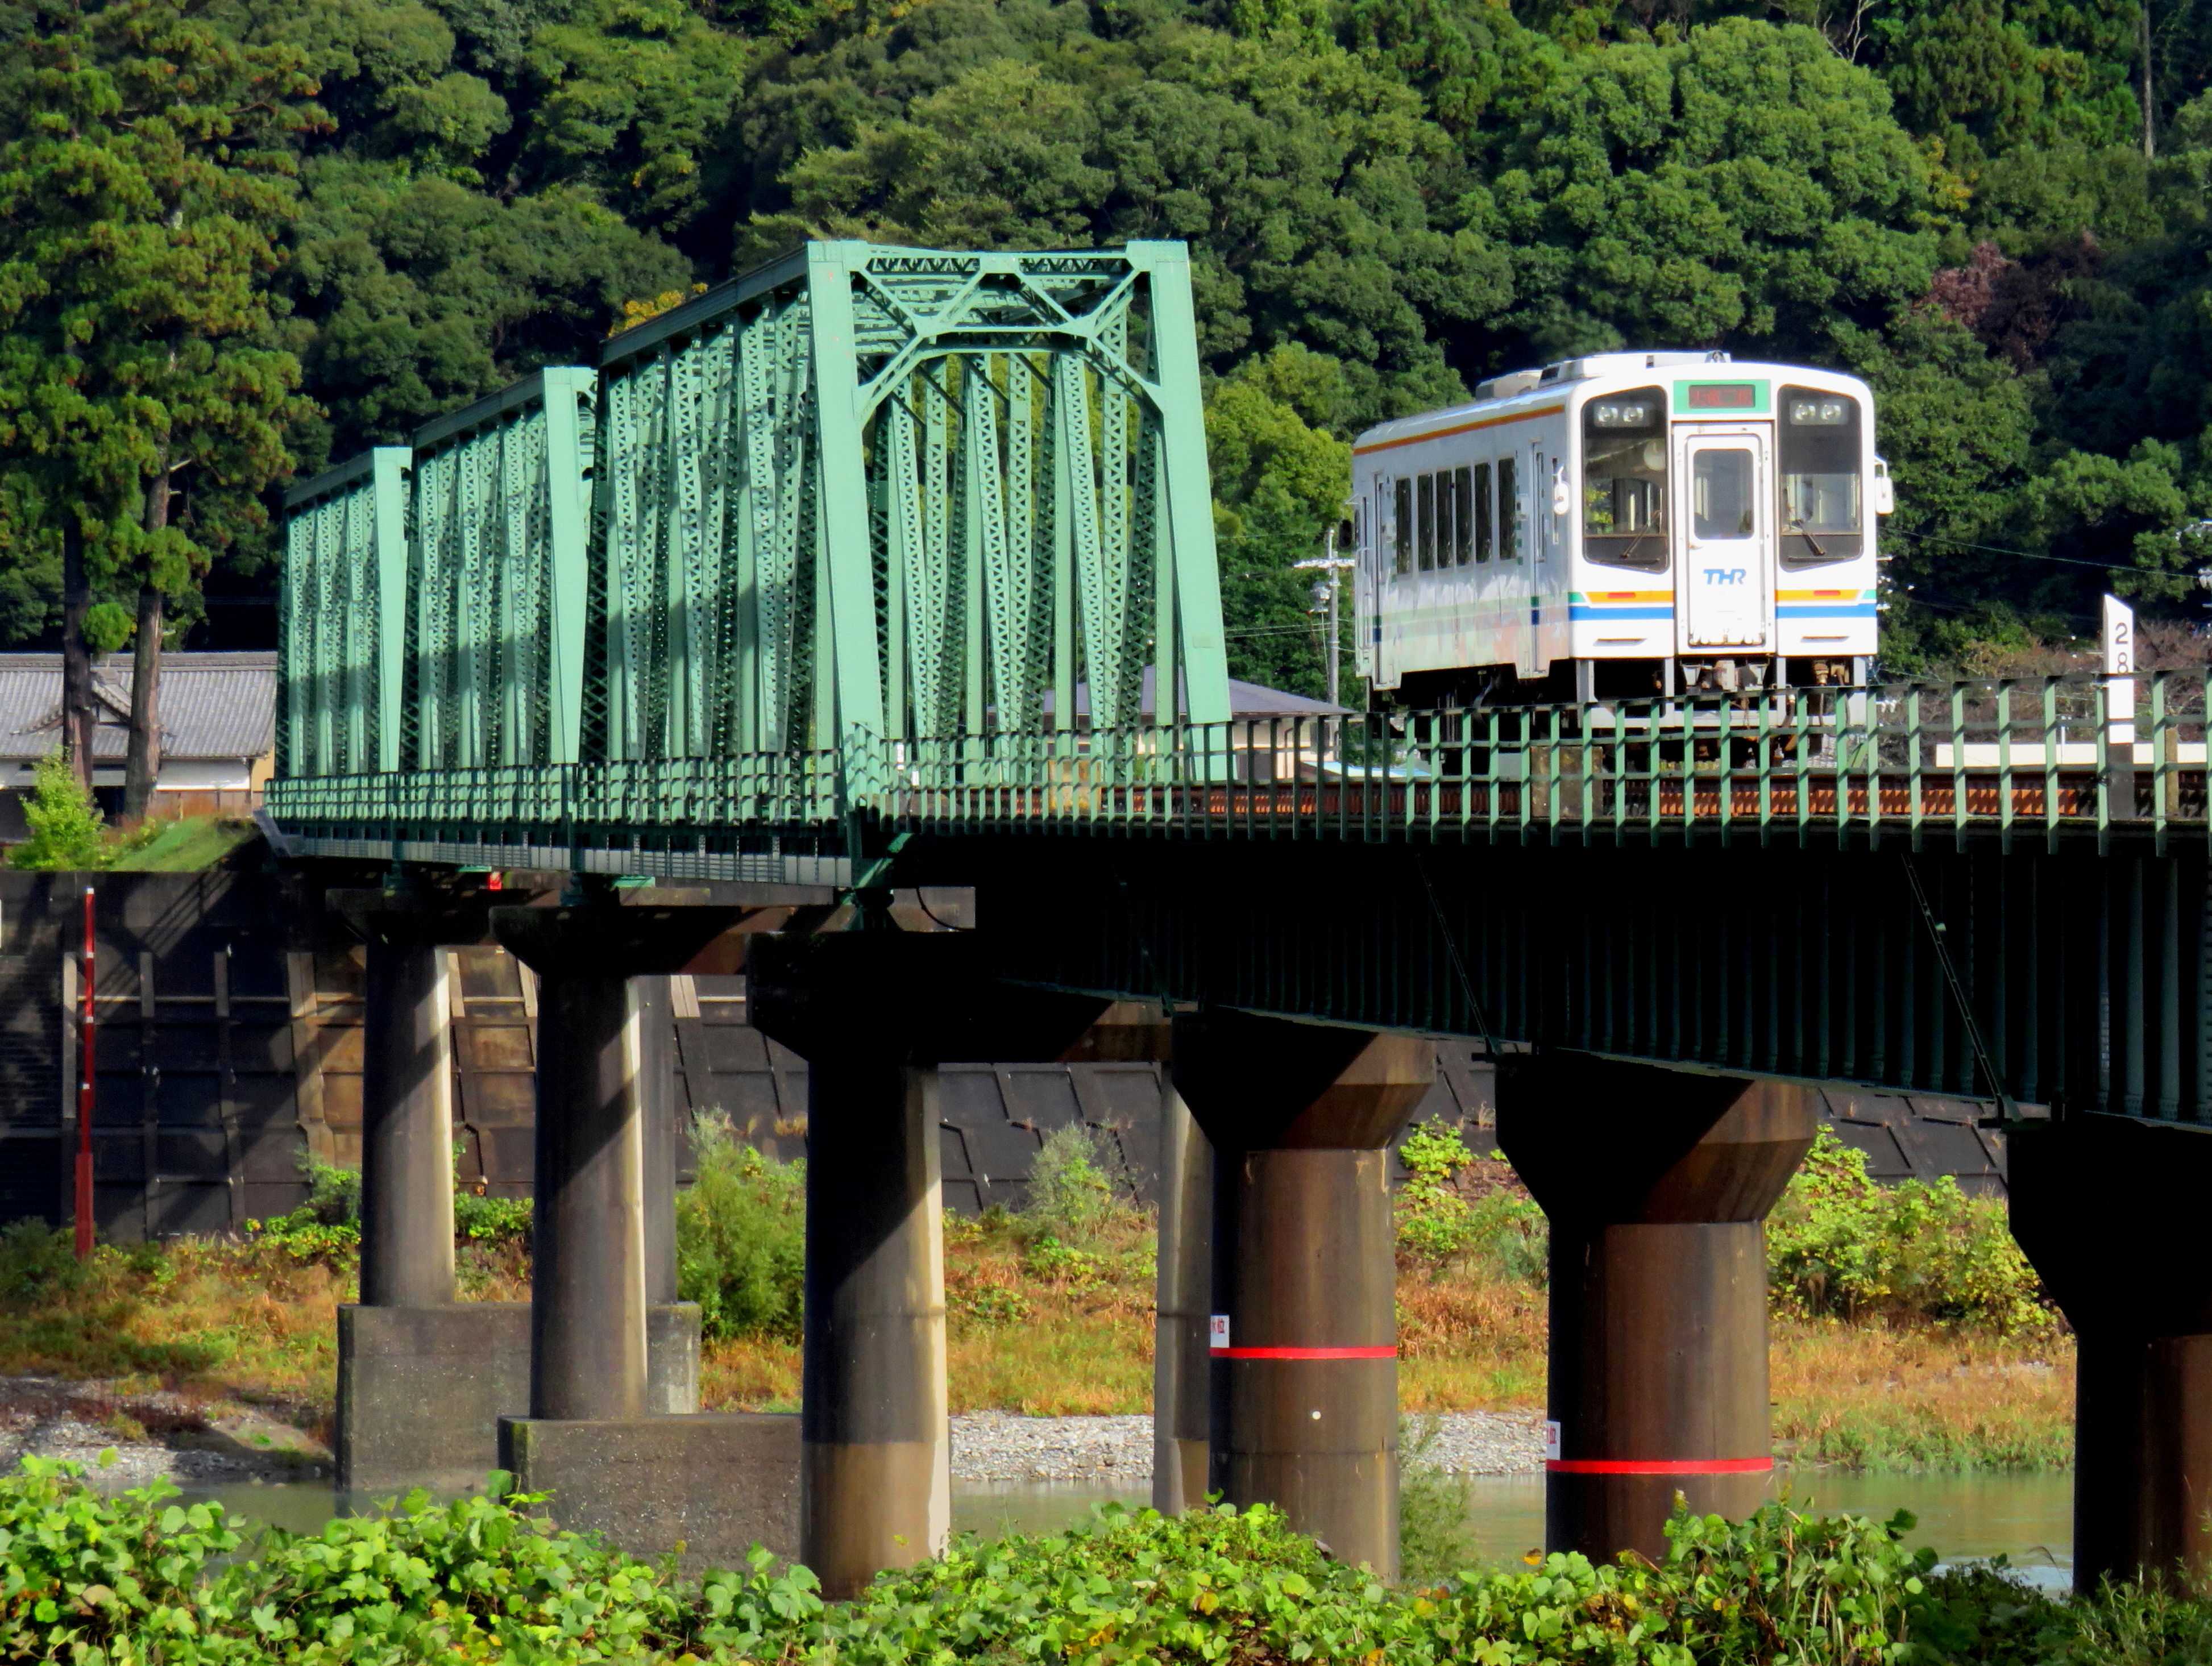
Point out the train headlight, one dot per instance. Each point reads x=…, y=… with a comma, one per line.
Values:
x=1614, y=413
x=1819, y=413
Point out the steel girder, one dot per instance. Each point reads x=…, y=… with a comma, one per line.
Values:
x=2075, y=977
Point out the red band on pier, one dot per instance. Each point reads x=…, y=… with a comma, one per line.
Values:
x=1758, y=1466
x=1385, y=1352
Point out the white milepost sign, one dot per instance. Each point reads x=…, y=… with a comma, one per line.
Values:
x=2120, y=641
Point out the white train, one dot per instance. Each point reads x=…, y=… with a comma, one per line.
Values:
x=1621, y=525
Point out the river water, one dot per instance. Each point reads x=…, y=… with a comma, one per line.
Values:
x=2028, y=1519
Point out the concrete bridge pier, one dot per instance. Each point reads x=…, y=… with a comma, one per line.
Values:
x=1303, y=1373
x=407, y=1345
x=874, y=1013
x=1183, y=1301
x=1658, y=1183
x=594, y=1435
x=2109, y=1210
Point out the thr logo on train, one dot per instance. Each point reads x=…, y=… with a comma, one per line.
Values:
x=1727, y=574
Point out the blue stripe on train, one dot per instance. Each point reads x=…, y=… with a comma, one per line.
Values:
x=1579, y=612
x=1828, y=611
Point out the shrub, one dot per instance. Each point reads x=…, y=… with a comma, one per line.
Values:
x=1504, y=1235
x=66, y=833
x=326, y=1226
x=1433, y=1219
x=741, y=1237
x=1840, y=1243
x=1071, y=1198
x=1435, y=1508
x=495, y=1222
x=37, y=1261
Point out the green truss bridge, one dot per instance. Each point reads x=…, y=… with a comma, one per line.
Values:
x=852, y=575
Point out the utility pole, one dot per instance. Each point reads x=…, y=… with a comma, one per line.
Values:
x=1326, y=591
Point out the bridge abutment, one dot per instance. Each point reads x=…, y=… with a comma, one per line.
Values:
x=874, y=1012
x=1657, y=1184
x=1304, y=1388
x=596, y=1436
x=2108, y=1209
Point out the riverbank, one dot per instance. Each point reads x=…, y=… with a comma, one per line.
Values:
x=208, y=1332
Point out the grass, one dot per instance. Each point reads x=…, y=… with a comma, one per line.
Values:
x=188, y=845
x=219, y=1321
x=1039, y=1327
x=1873, y=1395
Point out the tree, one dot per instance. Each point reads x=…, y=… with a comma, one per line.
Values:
x=1300, y=174
x=145, y=185
x=1280, y=481
x=1743, y=186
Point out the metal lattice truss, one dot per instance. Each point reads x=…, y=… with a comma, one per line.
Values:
x=339, y=613
x=864, y=499
x=910, y=493
x=495, y=597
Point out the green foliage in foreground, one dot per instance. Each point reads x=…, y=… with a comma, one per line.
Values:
x=139, y=1579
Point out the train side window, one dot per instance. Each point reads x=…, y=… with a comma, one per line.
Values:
x=1482, y=512
x=1403, y=525
x=1447, y=521
x=1463, y=514
x=1428, y=544
x=1509, y=511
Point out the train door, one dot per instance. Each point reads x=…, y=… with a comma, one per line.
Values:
x=1367, y=583
x=1724, y=595
x=1549, y=503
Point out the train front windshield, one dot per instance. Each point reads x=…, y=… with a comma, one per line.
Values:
x=1624, y=480
x=1823, y=499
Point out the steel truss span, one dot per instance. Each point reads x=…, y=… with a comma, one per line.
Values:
x=864, y=492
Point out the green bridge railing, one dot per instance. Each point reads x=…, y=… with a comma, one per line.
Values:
x=2049, y=760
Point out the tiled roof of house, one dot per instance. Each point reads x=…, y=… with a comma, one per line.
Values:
x=215, y=707
x=1246, y=700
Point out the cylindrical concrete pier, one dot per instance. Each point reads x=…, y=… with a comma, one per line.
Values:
x=1183, y=1300
x=1303, y=1378
x=589, y=1276
x=587, y=1286
x=656, y=1030
x=2108, y=1208
x=407, y=1122
x=877, y=1481
x=1658, y=1183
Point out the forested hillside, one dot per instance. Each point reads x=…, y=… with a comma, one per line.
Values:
x=404, y=203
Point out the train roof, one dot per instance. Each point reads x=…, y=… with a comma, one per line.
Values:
x=1523, y=389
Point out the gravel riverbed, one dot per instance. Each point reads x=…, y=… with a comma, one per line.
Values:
x=1001, y=1447
x=160, y=1432
x=151, y=1432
